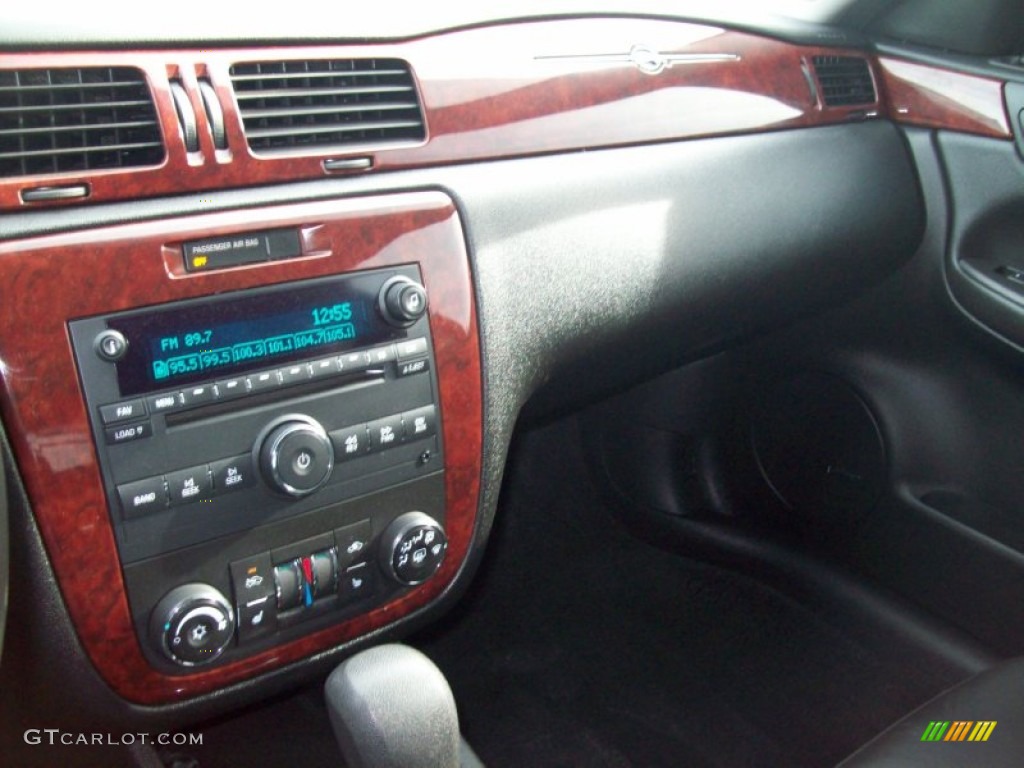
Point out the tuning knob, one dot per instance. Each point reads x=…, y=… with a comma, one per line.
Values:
x=402, y=301
x=413, y=548
x=192, y=624
x=295, y=456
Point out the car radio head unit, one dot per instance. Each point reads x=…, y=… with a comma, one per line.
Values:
x=269, y=456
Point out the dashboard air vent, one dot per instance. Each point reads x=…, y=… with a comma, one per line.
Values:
x=845, y=80
x=70, y=120
x=288, y=105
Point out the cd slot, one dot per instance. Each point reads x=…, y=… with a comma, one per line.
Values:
x=347, y=382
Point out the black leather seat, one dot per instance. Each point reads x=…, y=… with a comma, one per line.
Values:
x=996, y=695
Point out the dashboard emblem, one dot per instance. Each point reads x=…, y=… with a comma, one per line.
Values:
x=647, y=60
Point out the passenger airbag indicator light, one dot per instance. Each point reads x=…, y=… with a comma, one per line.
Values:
x=238, y=249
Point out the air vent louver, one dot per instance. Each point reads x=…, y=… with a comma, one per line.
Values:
x=287, y=105
x=845, y=80
x=68, y=120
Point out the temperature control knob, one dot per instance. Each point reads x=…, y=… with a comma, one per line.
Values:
x=413, y=548
x=192, y=624
x=295, y=455
x=402, y=301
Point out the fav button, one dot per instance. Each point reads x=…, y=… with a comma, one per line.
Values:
x=123, y=411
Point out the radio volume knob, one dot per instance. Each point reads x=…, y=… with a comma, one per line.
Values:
x=402, y=301
x=296, y=456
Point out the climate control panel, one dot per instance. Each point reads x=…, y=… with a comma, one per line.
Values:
x=227, y=599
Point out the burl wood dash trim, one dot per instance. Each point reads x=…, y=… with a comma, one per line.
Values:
x=50, y=280
x=931, y=97
x=487, y=93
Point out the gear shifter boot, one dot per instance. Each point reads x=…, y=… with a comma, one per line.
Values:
x=391, y=707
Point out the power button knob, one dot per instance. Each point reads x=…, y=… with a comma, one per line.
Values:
x=296, y=456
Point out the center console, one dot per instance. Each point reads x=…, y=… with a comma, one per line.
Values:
x=269, y=436
x=223, y=420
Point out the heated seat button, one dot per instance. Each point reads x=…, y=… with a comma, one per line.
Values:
x=256, y=618
x=143, y=496
x=358, y=582
x=233, y=474
x=189, y=485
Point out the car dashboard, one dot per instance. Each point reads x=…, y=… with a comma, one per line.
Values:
x=214, y=260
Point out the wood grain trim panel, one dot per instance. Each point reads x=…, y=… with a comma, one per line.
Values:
x=488, y=93
x=923, y=95
x=52, y=279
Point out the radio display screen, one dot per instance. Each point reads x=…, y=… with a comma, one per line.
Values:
x=214, y=338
